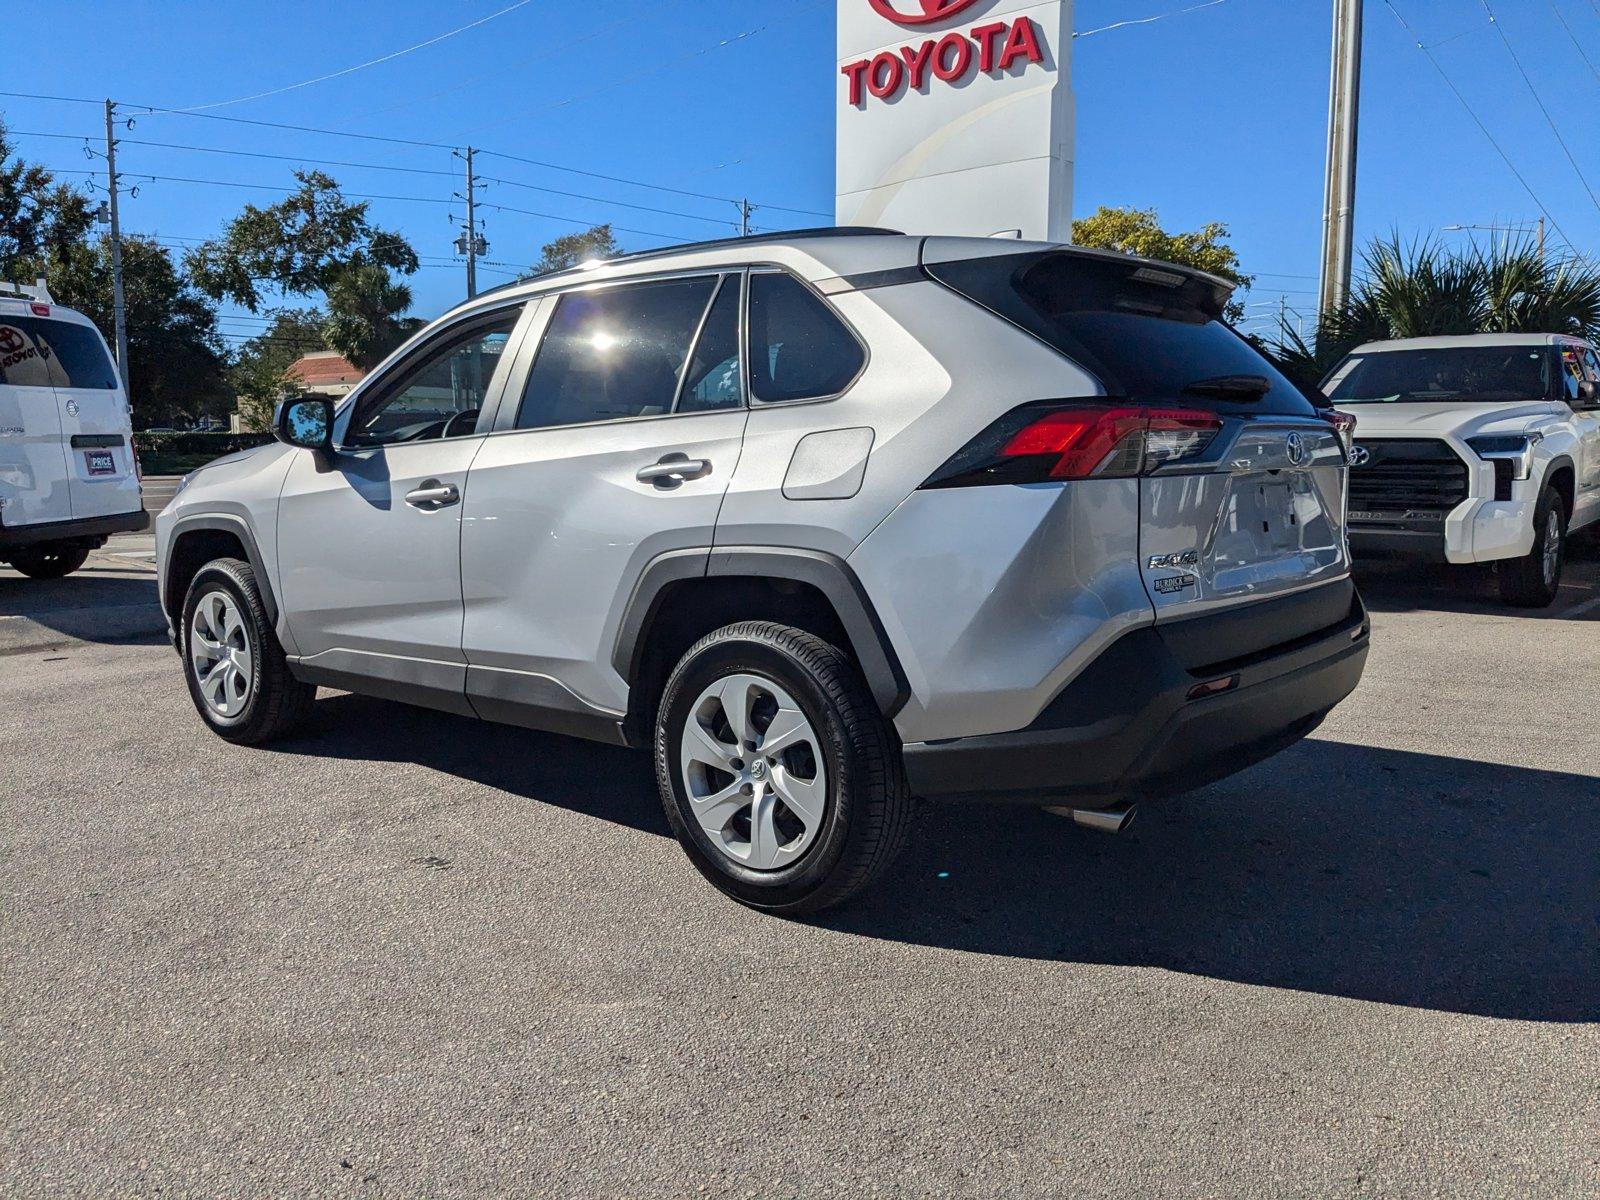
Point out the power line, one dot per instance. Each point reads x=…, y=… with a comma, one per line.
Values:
x=394, y=141
x=1478, y=121
x=292, y=158
x=528, y=212
x=1534, y=92
x=361, y=66
x=665, y=212
x=477, y=81
x=1589, y=62
x=1146, y=20
x=269, y=187
x=662, y=66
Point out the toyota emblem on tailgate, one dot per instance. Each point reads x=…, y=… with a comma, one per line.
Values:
x=1295, y=446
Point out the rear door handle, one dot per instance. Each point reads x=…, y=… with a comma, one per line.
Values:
x=673, y=469
x=434, y=495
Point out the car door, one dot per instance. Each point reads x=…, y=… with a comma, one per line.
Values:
x=95, y=423
x=618, y=450
x=33, y=460
x=369, y=536
x=1586, y=507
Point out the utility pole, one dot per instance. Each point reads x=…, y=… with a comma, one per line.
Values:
x=471, y=243
x=1339, y=197
x=1541, y=241
x=119, y=313
x=745, y=210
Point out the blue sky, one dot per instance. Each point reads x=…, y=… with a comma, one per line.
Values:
x=1217, y=114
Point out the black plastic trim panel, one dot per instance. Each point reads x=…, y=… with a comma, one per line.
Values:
x=66, y=531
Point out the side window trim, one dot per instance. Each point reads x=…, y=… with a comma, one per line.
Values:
x=755, y=401
x=378, y=388
x=734, y=278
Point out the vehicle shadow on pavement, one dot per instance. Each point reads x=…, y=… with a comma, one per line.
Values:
x=102, y=605
x=1345, y=870
x=1408, y=586
x=597, y=780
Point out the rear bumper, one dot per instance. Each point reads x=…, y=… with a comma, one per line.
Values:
x=92, y=529
x=1127, y=725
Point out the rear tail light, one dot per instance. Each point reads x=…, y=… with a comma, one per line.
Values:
x=1038, y=443
x=1344, y=424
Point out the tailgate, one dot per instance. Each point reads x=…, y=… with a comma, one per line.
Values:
x=1262, y=518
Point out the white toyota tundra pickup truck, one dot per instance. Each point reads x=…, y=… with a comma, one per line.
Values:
x=1471, y=449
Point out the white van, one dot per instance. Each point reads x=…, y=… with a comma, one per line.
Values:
x=68, y=478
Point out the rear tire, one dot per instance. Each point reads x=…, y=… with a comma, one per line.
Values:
x=807, y=804
x=1534, y=580
x=237, y=674
x=49, y=560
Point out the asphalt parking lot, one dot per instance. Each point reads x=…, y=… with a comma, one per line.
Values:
x=407, y=954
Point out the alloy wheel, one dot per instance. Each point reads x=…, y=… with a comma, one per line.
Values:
x=1552, y=547
x=752, y=766
x=220, y=655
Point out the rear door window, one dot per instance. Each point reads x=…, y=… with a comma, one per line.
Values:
x=616, y=352
x=715, y=379
x=799, y=350
x=40, y=352
x=1150, y=335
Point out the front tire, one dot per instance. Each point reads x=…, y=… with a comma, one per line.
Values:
x=49, y=560
x=1534, y=580
x=780, y=777
x=237, y=674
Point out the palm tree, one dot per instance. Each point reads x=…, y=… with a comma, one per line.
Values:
x=1423, y=288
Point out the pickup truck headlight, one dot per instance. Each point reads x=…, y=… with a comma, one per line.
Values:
x=1516, y=447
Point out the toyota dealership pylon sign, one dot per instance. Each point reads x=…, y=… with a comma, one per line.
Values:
x=956, y=116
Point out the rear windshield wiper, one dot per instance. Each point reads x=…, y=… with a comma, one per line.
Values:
x=1231, y=387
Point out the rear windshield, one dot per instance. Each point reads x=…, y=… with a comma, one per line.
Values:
x=39, y=352
x=1452, y=375
x=1147, y=334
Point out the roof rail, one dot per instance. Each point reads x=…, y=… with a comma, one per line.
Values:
x=755, y=239
x=38, y=293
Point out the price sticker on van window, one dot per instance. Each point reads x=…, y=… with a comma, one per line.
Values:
x=100, y=462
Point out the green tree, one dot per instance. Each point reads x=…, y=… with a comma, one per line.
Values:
x=39, y=218
x=572, y=249
x=177, y=362
x=1424, y=288
x=1138, y=231
x=315, y=243
x=260, y=372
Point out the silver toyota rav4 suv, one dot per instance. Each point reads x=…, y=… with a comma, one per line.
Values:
x=829, y=520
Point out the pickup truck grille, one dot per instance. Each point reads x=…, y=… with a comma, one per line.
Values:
x=1404, y=475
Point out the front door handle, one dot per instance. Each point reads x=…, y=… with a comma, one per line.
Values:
x=673, y=469
x=433, y=495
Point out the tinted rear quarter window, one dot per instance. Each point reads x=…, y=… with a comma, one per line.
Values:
x=1147, y=333
x=40, y=352
x=799, y=350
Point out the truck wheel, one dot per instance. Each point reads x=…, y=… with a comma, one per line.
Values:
x=780, y=777
x=238, y=677
x=1533, y=580
x=50, y=560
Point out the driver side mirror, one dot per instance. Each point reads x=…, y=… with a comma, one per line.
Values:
x=1588, y=394
x=305, y=421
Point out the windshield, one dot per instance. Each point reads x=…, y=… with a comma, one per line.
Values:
x=1452, y=375
x=1150, y=335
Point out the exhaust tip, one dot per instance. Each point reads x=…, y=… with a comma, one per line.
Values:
x=1102, y=820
